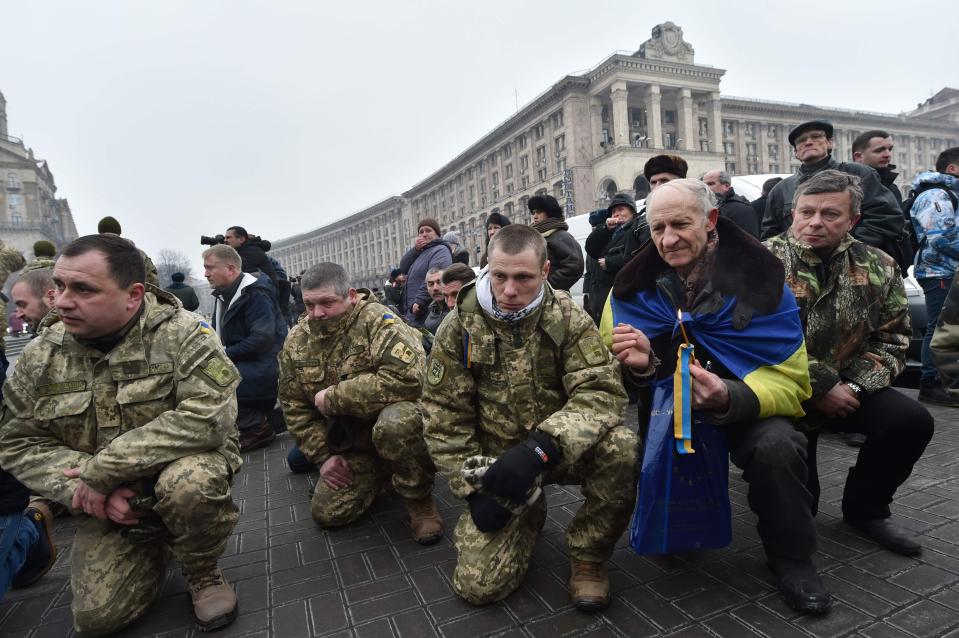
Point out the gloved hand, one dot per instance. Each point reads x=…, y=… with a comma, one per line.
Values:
x=515, y=471
x=487, y=513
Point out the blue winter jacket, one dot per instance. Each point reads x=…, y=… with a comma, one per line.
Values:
x=252, y=331
x=436, y=254
x=937, y=227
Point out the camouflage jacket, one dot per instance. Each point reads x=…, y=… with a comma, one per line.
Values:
x=945, y=340
x=854, y=312
x=40, y=262
x=10, y=262
x=488, y=385
x=370, y=360
x=166, y=391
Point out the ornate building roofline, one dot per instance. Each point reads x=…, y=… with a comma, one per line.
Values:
x=621, y=61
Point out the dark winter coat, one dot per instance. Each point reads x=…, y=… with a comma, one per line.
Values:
x=563, y=251
x=736, y=209
x=611, y=245
x=252, y=331
x=435, y=254
x=185, y=294
x=882, y=224
x=253, y=254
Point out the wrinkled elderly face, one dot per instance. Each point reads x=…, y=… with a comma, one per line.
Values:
x=678, y=227
x=812, y=146
x=516, y=279
x=821, y=220
x=711, y=179
x=434, y=286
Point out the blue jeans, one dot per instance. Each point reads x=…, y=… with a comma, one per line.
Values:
x=18, y=537
x=935, y=291
x=298, y=463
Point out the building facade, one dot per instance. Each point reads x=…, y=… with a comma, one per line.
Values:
x=589, y=135
x=29, y=208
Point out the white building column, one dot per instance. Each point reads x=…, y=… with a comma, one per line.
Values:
x=654, y=116
x=620, y=96
x=686, y=131
x=715, y=123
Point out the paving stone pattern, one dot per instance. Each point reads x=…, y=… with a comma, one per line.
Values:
x=371, y=580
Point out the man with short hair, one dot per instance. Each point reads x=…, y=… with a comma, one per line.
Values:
x=935, y=218
x=33, y=296
x=521, y=390
x=881, y=225
x=565, y=253
x=437, y=309
x=750, y=374
x=733, y=207
x=252, y=251
x=251, y=328
x=874, y=149
x=454, y=278
x=123, y=411
x=856, y=317
x=183, y=291
x=351, y=376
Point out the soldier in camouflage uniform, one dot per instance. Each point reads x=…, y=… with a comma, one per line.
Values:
x=44, y=255
x=945, y=341
x=519, y=382
x=124, y=410
x=351, y=376
x=33, y=295
x=854, y=309
x=10, y=261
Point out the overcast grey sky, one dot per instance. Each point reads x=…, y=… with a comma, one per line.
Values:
x=181, y=118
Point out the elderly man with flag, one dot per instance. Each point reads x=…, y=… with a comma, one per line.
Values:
x=704, y=325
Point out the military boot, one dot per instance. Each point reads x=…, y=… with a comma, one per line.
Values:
x=214, y=601
x=588, y=585
x=256, y=437
x=44, y=553
x=425, y=521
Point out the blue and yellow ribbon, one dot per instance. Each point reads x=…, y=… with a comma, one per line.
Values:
x=683, y=393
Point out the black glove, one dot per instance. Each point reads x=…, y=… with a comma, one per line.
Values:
x=487, y=513
x=515, y=471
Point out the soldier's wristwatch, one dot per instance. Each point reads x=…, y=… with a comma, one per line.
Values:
x=855, y=387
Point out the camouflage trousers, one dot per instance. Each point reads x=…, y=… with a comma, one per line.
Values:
x=118, y=570
x=398, y=450
x=492, y=565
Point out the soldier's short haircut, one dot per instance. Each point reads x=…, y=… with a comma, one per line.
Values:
x=326, y=274
x=705, y=198
x=124, y=261
x=518, y=239
x=458, y=272
x=224, y=254
x=832, y=181
x=861, y=143
x=39, y=281
x=947, y=157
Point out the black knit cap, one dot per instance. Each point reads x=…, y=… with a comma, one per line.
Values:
x=545, y=203
x=811, y=125
x=672, y=164
x=177, y=277
x=621, y=199
x=499, y=219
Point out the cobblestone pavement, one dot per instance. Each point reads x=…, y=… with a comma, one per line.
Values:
x=370, y=579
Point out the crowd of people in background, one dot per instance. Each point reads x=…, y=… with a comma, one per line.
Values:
x=760, y=323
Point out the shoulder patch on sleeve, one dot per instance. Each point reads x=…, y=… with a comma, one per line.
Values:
x=402, y=352
x=219, y=371
x=436, y=372
x=388, y=318
x=592, y=350
x=205, y=328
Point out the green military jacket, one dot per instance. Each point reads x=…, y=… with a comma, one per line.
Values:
x=166, y=391
x=945, y=340
x=40, y=262
x=489, y=385
x=854, y=311
x=369, y=360
x=10, y=261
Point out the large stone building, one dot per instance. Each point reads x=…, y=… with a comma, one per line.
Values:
x=29, y=208
x=589, y=135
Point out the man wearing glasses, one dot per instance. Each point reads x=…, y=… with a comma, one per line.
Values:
x=882, y=223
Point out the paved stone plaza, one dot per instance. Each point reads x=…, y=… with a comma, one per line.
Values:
x=369, y=579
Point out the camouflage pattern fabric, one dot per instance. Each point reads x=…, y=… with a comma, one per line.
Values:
x=492, y=565
x=854, y=310
x=152, y=276
x=945, y=340
x=10, y=262
x=488, y=385
x=192, y=515
x=373, y=365
x=394, y=450
x=40, y=262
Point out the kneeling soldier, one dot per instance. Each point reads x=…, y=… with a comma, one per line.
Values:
x=518, y=374
x=350, y=382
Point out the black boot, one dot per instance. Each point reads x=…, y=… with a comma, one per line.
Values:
x=886, y=533
x=933, y=392
x=800, y=586
x=44, y=553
